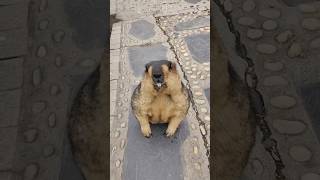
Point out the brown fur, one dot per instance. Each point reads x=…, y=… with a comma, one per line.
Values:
x=168, y=105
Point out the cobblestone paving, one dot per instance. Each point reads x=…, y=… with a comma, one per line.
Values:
x=283, y=40
x=169, y=34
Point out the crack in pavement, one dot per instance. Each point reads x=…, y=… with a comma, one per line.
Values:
x=194, y=107
x=256, y=100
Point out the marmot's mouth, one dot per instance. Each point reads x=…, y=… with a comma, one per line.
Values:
x=158, y=86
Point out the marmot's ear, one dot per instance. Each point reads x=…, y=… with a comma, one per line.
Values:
x=147, y=67
x=172, y=66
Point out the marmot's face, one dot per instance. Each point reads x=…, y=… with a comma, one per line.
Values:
x=158, y=71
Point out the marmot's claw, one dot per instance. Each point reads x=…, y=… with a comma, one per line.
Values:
x=146, y=131
x=170, y=131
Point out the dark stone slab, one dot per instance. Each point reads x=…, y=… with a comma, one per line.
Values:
x=155, y=158
x=141, y=55
x=311, y=97
x=13, y=16
x=69, y=168
x=192, y=1
x=142, y=29
x=195, y=23
x=199, y=47
x=297, y=2
x=207, y=93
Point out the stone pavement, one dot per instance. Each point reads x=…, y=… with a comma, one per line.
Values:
x=46, y=54
x=176, y=30
x=281, y=39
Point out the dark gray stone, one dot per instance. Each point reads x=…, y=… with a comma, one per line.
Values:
x=195, y=23
x=199, y=47
x=297, y=2
x=11, y=74
x=141, y=55
x=311, y=98
x=192, y=1
x=69, y=167
x=142, y=29
x=155, y=158
x=207, y=93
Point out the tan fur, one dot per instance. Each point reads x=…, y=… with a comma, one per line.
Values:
x=168, y=105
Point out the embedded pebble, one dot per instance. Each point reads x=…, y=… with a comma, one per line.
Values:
x=122, y=143
x=273, y=66
x=291, y=127
x=283, y=102
x=54, y=90
x=295, y=50
x=30, y=135
x=300, y=153
x=315, y=44
x=118, y=162
x=310, y=176
x=36, y=76
x=31, y=172
x=246, y=21
x=202, y=130
x=197, y=166
x=203, y=110
x=198, y=93
x=266, y=48
x=58, y=35
x=274, y=81
x=307, y=8
x=195, y=149
x=48, y=151
x=38, y=107
x=269, y=25
x=123, y=125
x=42, y=51
x=193, y=126
x=254, y=33
x=200, y=101
x=284, y=36
x=311, y=24
x=248, y=5
x=270, y=13
x=52, y=120
x=117, y=134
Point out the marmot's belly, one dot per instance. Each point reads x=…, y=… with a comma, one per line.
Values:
x=161, y=110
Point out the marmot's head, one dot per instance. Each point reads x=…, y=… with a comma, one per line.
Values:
x=159, y=71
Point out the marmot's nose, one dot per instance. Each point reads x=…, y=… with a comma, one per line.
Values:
x=157, y=76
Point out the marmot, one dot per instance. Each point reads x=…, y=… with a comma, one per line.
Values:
x=161, y=97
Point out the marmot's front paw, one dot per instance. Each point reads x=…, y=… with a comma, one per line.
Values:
x=170, y=131
x=146, y=130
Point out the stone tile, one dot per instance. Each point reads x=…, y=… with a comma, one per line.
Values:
x=140, y=55
x=311, y=99
x=9, y=108
x=11, y=73
x=18, y=16
x=142, y=29
x=207, y=93
x=13, y=42
x=194, y=23
x=163, y=152
x=199, y=47
x=7, y=146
